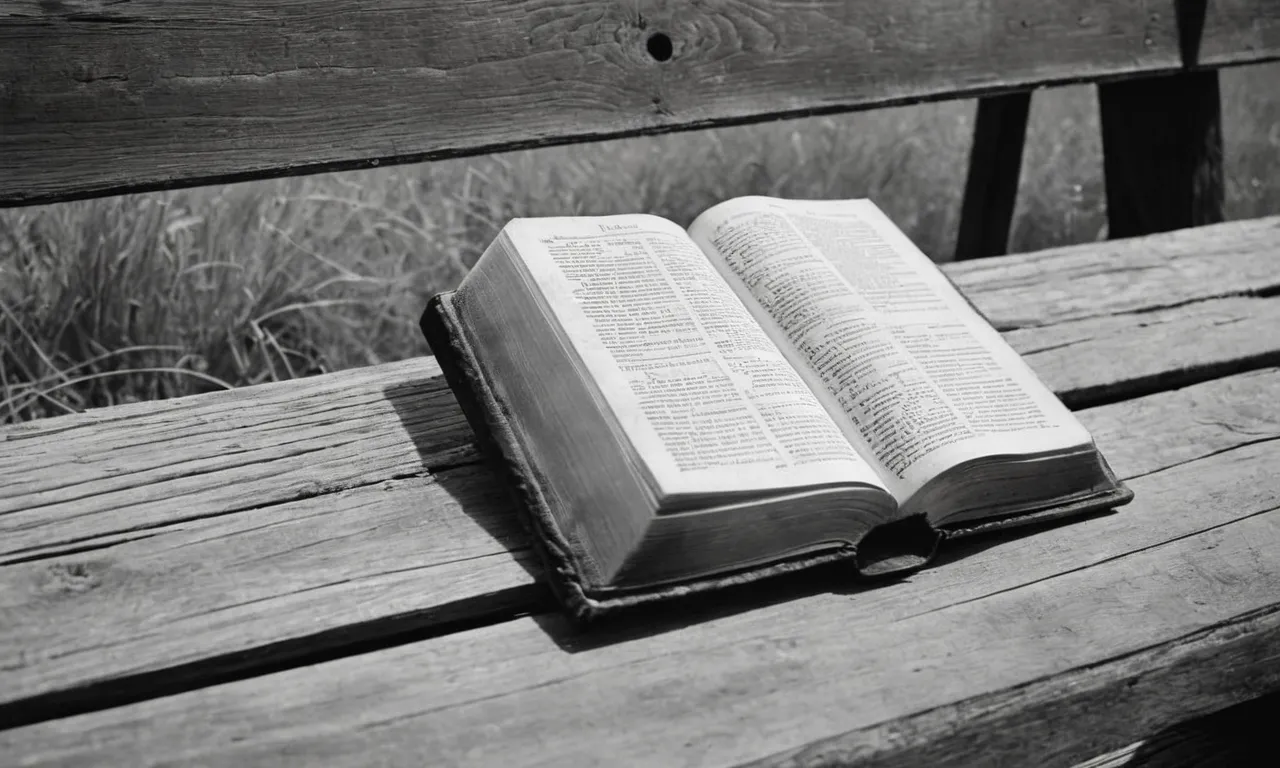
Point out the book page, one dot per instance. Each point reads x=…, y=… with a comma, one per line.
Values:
x=708, y=400
x=921, y=380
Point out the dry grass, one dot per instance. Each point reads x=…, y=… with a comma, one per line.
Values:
x=152, y=296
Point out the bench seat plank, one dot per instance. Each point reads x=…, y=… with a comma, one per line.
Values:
x=115, y=473
x=1102, y=359
x=1113, y=277
x=111, y=97
x=1067, y=643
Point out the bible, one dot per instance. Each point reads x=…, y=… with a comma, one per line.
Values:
x=783, y=384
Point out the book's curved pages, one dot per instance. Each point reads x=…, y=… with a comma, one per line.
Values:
x=565, y=560
x=895, y=548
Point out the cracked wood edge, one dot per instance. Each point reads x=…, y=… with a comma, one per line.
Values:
x=1168, y=608
x=101, y=98
x=85, y=631
x=87, y=480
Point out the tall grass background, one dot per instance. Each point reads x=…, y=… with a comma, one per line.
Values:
x=159, y=295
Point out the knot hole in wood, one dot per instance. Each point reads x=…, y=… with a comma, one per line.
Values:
x=73, y=577
x=659, y=46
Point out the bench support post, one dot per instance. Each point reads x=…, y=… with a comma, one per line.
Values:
x=1162, y=152
x=992, y=186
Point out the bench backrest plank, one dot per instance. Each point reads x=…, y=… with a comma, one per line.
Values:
x=100, y=98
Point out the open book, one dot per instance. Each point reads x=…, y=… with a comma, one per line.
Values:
x=683, y=409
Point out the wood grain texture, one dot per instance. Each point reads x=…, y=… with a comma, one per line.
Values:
x=1237, y=31
x=1058, y=646
x=208, y=599
x=1055, y=720
x=112, y=474
x=1124, y=276
x=1103, y=359
x=991, y=187
x=102, y=97
x=85, y=631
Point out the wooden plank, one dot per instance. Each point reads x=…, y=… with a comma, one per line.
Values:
x=280, y=585
x=1104, y=359
x=1135, y=275
x=319, y=576
x=109, y=97
x=1162, y=153
x=113, y=474
x=1239, y=31
x=1054, y=721
x=91, y=479
x=991, y=188
x=1057, y=646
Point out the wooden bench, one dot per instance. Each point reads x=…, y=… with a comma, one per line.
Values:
x=324, y=570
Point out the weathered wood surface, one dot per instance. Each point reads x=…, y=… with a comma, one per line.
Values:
x=1234, y=32
x=281, y=585
x=115, y=473
x=224, y=534
x=1053, y=647
x=99, y=96
x=1125, y=276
